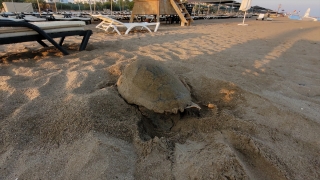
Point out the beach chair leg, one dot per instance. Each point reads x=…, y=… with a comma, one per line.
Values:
x=99, y=25
x=85, y=40
x=56, y=45
x=157, y=26
x=41, y=33
x=61, y=49
x=116, y=29
x=52, y=42
x=128, y=30
x=42, y=43
x=147, y=29
x=61, y=40
x=106, y=29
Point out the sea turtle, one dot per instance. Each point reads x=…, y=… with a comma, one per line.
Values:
x=150, y=84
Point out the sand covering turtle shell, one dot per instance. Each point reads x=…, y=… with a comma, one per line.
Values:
x=150, y=84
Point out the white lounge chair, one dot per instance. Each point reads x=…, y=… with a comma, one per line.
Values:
x=58, y=17
x=260, y=17
x=264, y=17
x=108, y=22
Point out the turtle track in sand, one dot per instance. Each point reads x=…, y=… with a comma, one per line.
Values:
x=219, y=144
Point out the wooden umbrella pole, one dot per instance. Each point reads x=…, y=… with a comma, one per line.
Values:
x=244, y=17
x=55, y=4
x=94, y=7
x=39, y=7
x=90, y=6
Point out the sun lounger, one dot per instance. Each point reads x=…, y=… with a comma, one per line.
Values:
x=264, y=17
x=30, y=18
x=108, y=22
x=71, y=18
x=260, y=17
x=10, y=19
x=16, y=32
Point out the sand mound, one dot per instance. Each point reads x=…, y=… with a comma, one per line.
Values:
x=100, y=128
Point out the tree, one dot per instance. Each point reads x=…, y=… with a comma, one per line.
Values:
x=125, y=4
x=129, y=4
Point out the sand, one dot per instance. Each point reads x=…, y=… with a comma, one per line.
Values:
x=61, y=117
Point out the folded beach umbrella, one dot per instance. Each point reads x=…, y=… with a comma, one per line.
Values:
x=245, y=5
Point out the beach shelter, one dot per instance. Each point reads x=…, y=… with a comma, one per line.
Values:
x=161, y=7
x=17, y=7
x=245, y=5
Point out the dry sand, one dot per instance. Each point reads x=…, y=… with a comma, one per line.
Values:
x=61, y=117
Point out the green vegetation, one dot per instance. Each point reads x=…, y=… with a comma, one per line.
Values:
x=122, y=5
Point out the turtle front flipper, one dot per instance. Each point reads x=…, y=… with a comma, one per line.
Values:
x=193, y=109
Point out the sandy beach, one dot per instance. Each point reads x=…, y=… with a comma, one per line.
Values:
x=61, y=117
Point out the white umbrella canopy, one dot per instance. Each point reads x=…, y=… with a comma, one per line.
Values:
x=245, y=5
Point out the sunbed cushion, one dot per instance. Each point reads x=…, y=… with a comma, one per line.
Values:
x=59, y=24
x=10, y=19
x=44, y=26
x=26, y=33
